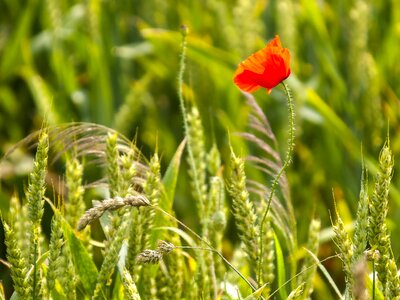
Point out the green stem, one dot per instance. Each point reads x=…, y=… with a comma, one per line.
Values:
x=35, y=247
x=181, y=72
x=182, y=66
x=373, y=280
x=286, y=163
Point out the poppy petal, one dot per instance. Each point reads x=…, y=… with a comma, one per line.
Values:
x=255, y=62
x=247, y=80
x=265, y=68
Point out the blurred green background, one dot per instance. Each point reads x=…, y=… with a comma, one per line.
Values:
x=115, y=63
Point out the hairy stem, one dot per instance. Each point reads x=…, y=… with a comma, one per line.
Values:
x=288, y=158
x=182, y=66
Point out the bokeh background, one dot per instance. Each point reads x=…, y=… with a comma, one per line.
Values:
x=116, y=62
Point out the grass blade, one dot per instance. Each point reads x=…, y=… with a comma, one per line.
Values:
x=171, y=176
x=280, y=268
x=83, y=262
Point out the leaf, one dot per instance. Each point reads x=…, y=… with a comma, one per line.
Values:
x=57, y=292
x=42, y=258
x=14, y=296
x=118, y=291
x=2, y=293
x=281, y=268
x=171, y=176
x=257, y=293
x=84, y=264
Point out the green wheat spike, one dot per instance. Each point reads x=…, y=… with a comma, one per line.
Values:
x=152, y=190
x=19, y=266
x=19, y=221
x=55, y=252
x=35, y=196
x=309, y=266
x=75, y=206
x=111, y=256
x=393, y=286
x=197, y=172
x=217, y=221
x=378, y=233
x=213, y=160
x=114, y=183
x=130, y=290
x=345, y=246
x=127, y=172
x=268, y=259
x=67, y=275
x=113, y=170
x=361, y=224
x=243, y=209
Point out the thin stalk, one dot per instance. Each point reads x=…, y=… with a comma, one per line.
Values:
x=182, y=66
x=288, y=158
x=373, y=280
x=35, y=253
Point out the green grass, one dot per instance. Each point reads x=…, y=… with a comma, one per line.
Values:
x=116, y=64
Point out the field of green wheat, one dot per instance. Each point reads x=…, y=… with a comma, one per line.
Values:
x=199, y=149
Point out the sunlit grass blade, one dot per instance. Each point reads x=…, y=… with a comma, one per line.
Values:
x=81, y=258
x=281, y=270
x=171, y=176
x=257, y=294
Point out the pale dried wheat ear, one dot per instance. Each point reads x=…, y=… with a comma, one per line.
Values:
x=149, y=256
x=117, y=202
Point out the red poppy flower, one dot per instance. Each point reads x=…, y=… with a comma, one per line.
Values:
x=264, y=69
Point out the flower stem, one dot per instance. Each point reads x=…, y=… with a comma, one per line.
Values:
x=286, y=163
x=186, y=125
